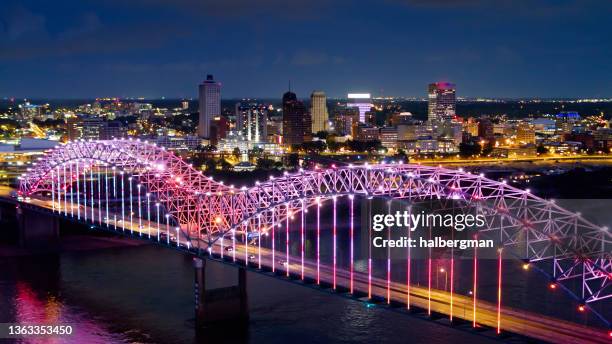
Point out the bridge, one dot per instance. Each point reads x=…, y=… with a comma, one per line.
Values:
x=137, y=188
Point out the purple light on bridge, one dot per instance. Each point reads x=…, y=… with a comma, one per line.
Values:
x=302, y=238
x=352, y=229
x=475, y=287
x=287, y=239
x=319, y=241
x=273, y=241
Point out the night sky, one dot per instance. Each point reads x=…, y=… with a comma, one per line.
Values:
x=155, y=48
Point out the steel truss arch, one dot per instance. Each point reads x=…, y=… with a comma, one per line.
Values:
x=176, y=183
x=575, y=247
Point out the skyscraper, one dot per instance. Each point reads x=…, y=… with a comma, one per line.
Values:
x=251, y=121
x=296, y=120
x=72, y=132
x=209, y=105
x=362, y=102
x=441, y=105
x=318, y=111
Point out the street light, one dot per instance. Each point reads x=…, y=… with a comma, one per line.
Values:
x=445, y=277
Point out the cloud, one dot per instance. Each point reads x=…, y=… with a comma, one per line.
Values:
x=18, y=22
x=310, y=58
x=442, y=3
x=529, y=8
x=290, y=10
x=85, y=23
x=452, y=56
x=87, y=36
x=227, y=63
x=507, y=55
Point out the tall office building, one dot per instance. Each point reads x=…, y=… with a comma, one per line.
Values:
x=219, y=126
x=209, y=105
x=344, y=120
x=91, y=128
x=471, y=127
x=113, y=129
x=296, y=120
x=525, y=133
x=72, y=133
x=251, y=121
x=318, y=111
x=441, y=105
x=361, y=101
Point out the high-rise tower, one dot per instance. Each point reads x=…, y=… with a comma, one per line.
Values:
x=318, y=111
x=252, y=120
x=441, y=105
x=209, y=105
x=362, y=102
x=296, y=120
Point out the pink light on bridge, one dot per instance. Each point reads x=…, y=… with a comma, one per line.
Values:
x=273, y=241
x=351, y=288
x=452, y=277
x=302, y=239
x=318, y=241
x=475, y=286
x=408, y=264
x=180, y=189
x=389, y=259
x=429, y=284
x=287, y=239
x=369, y=249
x=259, y=241
x=499, y=290
x=335, y=242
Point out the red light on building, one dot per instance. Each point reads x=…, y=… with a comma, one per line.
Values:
x=552, y=286
x=581, y=308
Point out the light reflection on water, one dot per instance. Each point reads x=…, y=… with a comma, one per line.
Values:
x=28, y=295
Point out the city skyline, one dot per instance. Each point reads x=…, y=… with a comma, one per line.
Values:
x=534, y=49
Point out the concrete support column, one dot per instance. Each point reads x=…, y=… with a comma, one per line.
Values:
x=242, y=288
x=37, y=230
x=199, y=286
x=220, y=306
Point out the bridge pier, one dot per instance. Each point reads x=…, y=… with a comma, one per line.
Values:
x=37, y=230
x=227, y=305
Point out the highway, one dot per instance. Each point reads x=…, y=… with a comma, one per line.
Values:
x=550, y=158
x=512, y=320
